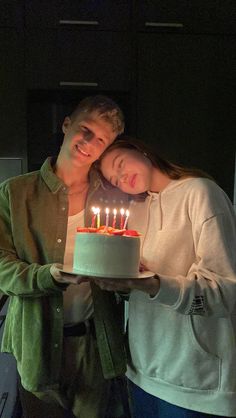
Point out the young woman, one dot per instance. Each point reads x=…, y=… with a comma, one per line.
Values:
x=182, y=321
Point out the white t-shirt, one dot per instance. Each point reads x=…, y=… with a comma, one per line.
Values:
x=77, y=299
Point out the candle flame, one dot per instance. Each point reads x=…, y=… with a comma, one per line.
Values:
x=107, y=211
x=122, y=211
x=127, y=213
x=95, y=210
x=115, y=211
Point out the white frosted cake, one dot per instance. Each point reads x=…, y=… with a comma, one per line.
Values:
x=107, y=255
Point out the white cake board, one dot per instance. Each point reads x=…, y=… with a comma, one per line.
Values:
x=141, y=275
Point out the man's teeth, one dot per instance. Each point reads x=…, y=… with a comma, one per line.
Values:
x=82, y=152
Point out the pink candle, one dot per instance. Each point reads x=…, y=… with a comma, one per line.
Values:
x=93, y=217
x=114, y=218
x=107, y=217
x=126, y=219
x=122, y=212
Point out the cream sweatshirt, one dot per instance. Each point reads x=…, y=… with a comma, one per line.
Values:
x=183, y=341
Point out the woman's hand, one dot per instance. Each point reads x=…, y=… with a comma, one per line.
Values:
x=149, y=285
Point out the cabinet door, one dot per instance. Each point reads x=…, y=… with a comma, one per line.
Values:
x=186, y=100
x=196, y=16
x=12, y=98
x=11, y=13
x=41, y=59
x=89, y=14
x=100, y=60
x=68, y=58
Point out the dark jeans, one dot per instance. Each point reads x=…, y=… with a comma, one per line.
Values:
x=145, y=405
x=33, y=407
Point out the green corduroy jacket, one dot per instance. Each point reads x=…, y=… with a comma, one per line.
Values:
x=33, y=226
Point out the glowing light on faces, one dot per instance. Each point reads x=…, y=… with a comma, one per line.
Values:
x=128, y=169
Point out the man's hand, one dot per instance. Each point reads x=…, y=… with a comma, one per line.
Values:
x=62, y=277
x=149, y=285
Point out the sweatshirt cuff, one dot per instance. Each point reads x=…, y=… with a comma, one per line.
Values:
x=170, y=291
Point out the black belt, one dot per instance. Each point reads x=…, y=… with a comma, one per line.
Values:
x=82, y=328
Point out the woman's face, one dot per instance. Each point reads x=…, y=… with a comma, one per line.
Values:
x=127, y=169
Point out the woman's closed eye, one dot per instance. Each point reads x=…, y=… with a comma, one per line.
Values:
x=120, y=165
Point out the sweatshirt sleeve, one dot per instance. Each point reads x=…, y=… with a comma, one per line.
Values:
x=209, y=288
x=18, y=277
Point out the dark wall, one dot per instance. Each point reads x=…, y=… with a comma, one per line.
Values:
x=169, y=64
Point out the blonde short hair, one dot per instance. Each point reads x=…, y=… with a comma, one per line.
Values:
x=105, y=108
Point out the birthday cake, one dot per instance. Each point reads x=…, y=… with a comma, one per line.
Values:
x=107, y=252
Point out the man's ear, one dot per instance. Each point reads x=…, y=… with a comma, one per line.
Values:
x=66, y=124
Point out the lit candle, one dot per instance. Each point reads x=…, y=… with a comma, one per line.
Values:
x=126, y=219
x=114, y=218
x=94, y=210
x=107, y=217
x=98, y=218
x=122, y=212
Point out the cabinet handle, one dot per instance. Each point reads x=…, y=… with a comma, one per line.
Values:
x=79, y=22
x=163, y=25
x=78, y=83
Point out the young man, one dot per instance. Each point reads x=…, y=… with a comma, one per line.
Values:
x=50, y=322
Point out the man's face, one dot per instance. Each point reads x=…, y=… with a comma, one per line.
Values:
x=85, y=138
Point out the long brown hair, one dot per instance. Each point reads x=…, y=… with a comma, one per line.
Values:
x=174, y=171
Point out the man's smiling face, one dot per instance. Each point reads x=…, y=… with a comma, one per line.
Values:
x=85, y=138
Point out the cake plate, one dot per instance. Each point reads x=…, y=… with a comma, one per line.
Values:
x=141, y=275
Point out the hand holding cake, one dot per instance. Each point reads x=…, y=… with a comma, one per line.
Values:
x=63, y=277
x=149, y=285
